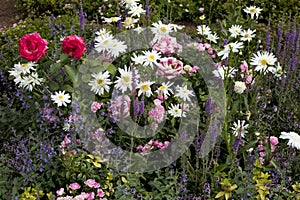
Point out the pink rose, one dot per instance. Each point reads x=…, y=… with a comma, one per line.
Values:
x=74, y=186
x=73, y=45
x=60, y=192
x=166, y=45
x=169, y=67
x=92, y=183
x=274, y=140
x=32, y=47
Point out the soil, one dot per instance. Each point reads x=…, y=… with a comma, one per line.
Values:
x=9, y=15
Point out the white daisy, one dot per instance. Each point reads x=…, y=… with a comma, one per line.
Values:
x=175, y=111
x=103, y=33
x=124, y=82
x=29, y=81
x=253, y=10
x=263, y=61
x=235, y=30
x=145, y=88
x=161, y=29
x=294, y=139
x=138, y=29
x=111, y=19
x=117, y=47
x=100, y=83
x=184, y=93
x=136, y=10
x=203, y=30
x=247, y=35
x=212, y=37
x=60, y=98
x=25, y=67
x=240, y=127
x=223, y=72
x=129, y=3
x=176, y=27
x=233, y=46
x=151, y=57
x=165, y=89
x=103, y=43
x=129, y=22
x=137, y=59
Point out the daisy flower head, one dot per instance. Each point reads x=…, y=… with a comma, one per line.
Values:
x=235, y=30
x=223, y=72
x=29, y=81
x=176, y=27
x=124, y=82
x=129, y=3
x=25, y=67
x=294, y=139
x=129, y=22
x=137, y=59
x=240, y=127
x=203, y=30
x=100, y=83
x=233, y=46
x=60, y=98
x=263, y=61
x=247, y=35
x=253, y=11
x=145, y=88
x=103, y=43
x=103, y=33
x=160, y=29
x=212, y=37
x=151, y=57
x=184, y=93
x=175, y=111
x=111, y=19
x=165, y=89
x=116, y=47
x=136, y=10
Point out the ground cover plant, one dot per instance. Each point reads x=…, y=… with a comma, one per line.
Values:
x=129, y=100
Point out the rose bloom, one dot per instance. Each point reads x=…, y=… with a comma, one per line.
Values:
x=239, y=87
x=166, y=45
x=74, y=186
x=170, y=67
x=32, y=47
x=73, y=45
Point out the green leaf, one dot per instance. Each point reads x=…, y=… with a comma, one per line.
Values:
x=63, y=57
x=54, y=67
x=110, y=68
x=72, y=73
x=86, y=78
x=67, y=88
x=53, y=86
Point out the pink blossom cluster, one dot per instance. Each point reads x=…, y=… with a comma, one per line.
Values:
x=273, y=142
x=245, y=73
x=151, y=145
x=91, y=183
x=120, y=107
x=170, y=67
x=205, y=47
x=167, y=45
x=157, y=113
x=96, y=106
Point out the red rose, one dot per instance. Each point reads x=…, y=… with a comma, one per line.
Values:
x=32, y=47
x=74, y=46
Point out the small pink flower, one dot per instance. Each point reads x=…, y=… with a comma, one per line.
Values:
x=74, y=186
x=96, y=106
x=244, y=67
x=201, y=10
x=249, y=80
x=139, y=148
x=261, y=147
x=100, y=193
x=219, y=64
x=210, y=51
x=262, y=154
x=206, y=45
x=60, y=192
x=155, y=143
x=274, y=140
x=90, y=182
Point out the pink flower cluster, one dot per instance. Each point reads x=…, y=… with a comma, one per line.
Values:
x=96, y=106
x=91, y=183
x=151, y=145
x=167, y=45
x=205, y=47
x=157, y=113
x=245, y=73
x=273, y=142
x=170, y=67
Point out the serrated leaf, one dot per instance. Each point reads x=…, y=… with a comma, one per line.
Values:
x=72, y=73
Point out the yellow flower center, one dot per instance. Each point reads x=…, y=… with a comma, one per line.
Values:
x=100, y=81
x=152, y=57
x=247, y=35
x=163, y=29
x=263, y=62
x=60, y=97
x=176, y=111
x=252, y=10
x=162, y=87
x=126, y=79
x=25, y=65
x=114, y=19
x=145, y=87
